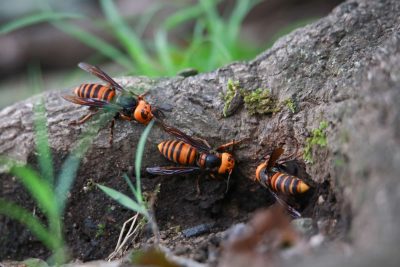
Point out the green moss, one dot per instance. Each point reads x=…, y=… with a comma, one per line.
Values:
x=260, y=102
x=232, y=90
x=317, y=138
x=289, y=103
x=100, y=230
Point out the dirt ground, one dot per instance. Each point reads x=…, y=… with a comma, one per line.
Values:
x=191, y=223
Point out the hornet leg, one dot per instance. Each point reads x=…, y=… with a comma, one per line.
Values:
x=84, y=118
x=198, y=187
x=124, y=117
x=140, y=97
x=230, y=144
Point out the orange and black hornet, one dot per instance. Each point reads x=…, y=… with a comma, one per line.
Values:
x=195, y=153
x=269, y=175
x=127, y=105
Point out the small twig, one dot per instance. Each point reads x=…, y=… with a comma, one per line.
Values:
x=121, y=243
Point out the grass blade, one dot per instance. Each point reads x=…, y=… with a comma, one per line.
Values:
x=42, y=144
x=139, y=155
x=128, y=181
x=197, y=40
x=213, y=19
x=182, y=15
x=16, y=212
x=39, y=189
x=41, y=135
x=71, y=164
x=66, y=178
x=123, y=199
x=241, y=9
x=162, y=47
x=214, y=25
x=35, y=19
x=127, y=37
x=146, y=18
x=224, y=54
x=96, y=43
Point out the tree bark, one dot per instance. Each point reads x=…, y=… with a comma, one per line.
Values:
x=343, y=69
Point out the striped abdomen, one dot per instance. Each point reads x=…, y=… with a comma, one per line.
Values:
x=261, y=175
x=93, y=90
x=287, y=184
x=178, y=152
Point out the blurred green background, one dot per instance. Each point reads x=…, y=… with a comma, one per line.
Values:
x=126, y=37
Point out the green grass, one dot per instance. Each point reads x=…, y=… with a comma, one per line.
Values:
x=48, y=190
x=35, y=19
x=136, y=204
x=39, y=120
x=214, y=41
x=41, y=189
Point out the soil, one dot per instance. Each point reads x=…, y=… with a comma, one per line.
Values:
x=93, y=221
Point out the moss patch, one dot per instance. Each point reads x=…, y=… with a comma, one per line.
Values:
x=100, y=230
x=318, y=138
x=260, y=102
x=232, y=98
x=289, y=103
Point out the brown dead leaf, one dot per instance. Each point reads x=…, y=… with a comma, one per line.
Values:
x=268, y=231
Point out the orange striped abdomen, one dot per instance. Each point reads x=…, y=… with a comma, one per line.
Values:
x=178, y=151
x=261, y=174
x=287, y=184
x=93, y=90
